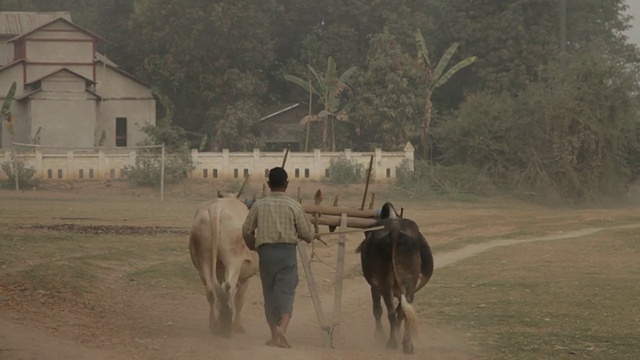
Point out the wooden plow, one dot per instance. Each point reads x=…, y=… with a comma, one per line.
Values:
x=346, y=220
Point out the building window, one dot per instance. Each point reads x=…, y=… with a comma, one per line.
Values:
x=297, y=172
x=121, y=131
x=205, y=173
x=388, y=172
x=306, y=173
x=235, y=173
x=245, y=173
x=215, y=173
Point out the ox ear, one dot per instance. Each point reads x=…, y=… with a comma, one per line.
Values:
x=220, y=194
x=388, y=211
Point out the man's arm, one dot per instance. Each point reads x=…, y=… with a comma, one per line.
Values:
x=303, y=225
x=249, y=227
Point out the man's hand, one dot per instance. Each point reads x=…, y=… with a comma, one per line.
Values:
x=250, y=241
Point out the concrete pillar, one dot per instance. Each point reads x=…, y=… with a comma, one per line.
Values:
x=378, y=171
x=39, y=165
x=70, y=166
x=409, y=153
x=197, y=170
x=317, y=169
x=226, y=172
x=256, y=172
x=101, y=174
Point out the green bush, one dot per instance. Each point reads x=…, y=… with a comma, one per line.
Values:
x=452, y=180
x=178, y=162
x=25, y=175
x=343, y=171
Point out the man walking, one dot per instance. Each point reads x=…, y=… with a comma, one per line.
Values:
x=280, y=222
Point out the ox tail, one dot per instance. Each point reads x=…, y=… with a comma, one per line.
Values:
x=395, y=237
x=215, y=238
x=410, y=315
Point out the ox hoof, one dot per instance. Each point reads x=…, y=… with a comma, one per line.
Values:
x=407, y=348
x=392, y=344
x=238, y=328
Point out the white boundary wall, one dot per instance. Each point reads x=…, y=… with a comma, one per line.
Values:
x=106, y=164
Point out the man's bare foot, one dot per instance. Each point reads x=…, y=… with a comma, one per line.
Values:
x=282, y=341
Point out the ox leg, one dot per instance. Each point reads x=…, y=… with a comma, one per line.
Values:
x=392, y=343
x=211, y=299
x=238, y=303
x=228, y=290
x=376, y=298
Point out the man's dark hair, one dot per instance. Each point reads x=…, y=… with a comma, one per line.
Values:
x=277, y=178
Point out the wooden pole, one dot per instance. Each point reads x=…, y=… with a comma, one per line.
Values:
x=334, y=221
x=162, y=158
x=367, y=229
x=337, y=300
x=339, y=210
x=313, y=290
x=366, y=187
x=373, y=200
x=286, y=154
x=244, y=183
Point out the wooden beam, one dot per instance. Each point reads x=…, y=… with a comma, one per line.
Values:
x=351, y=222
x=337, y=300
x=366, y=187
x=339, y=210
x=313, y=290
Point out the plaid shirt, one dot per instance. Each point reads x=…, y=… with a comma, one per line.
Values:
x=278, y=219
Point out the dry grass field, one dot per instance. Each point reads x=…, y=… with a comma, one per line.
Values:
x=102, y=271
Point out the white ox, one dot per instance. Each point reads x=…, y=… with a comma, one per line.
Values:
x=225, y=264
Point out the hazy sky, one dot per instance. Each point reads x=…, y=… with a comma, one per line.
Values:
x=634, y=32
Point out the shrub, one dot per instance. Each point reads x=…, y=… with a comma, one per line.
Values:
x=451, y=180
x=25, y=175
x=147, y=168
x=178, y=162
x=343, y=171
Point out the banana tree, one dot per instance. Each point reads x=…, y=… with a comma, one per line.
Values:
x=435, y=78
x=5, y=113
x=330, y=89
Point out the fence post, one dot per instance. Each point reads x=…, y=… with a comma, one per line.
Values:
x=162, y=174
x=15, y=166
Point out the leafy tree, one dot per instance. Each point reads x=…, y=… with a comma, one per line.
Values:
x=434, y=78
x=389, y=104
x=334, y=92
x=573, y=134
x=208, y=58
x=5, y=111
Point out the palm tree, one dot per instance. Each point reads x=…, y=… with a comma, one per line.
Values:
x=5, y=114
x=330, y=89
x=435, y=78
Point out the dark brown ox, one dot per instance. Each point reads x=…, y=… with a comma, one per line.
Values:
x=222, y=260
x=396, y=262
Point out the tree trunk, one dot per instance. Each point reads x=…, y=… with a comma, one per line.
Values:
x=325, y=134
x=424, y=136
x=333, y=134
